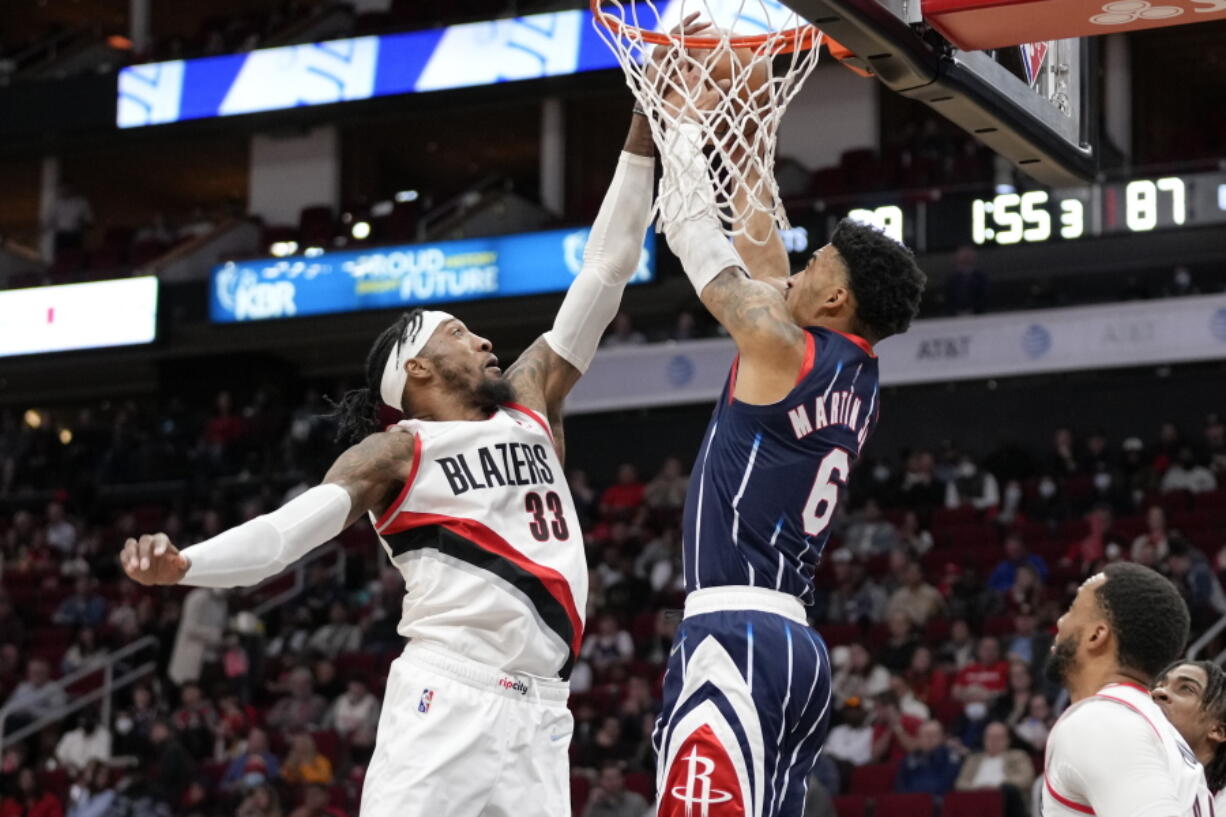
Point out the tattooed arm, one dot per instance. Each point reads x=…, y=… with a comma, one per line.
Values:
x=373, y=471
x=542, y=378
x=771, y=345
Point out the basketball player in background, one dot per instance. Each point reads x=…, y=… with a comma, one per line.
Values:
x=1113, y=752
x=470, y=501
x=1192, y=695
x=747, y=691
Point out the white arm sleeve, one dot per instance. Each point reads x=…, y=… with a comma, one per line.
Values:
x=1110, y=759
x=266, y=545
x=610, y=258
x=688, y=209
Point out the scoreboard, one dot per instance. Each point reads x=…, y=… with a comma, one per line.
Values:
x=1014, y=217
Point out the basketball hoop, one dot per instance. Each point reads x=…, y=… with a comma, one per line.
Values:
x=755, y=54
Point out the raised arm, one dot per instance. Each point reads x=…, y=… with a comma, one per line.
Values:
x=763, y=261
x=548, y=369
x=364, y=478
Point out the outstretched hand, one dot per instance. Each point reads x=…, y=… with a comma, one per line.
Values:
x=683, y=84
x=153, y=560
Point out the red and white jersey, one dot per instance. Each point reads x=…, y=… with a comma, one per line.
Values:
x=1115, y=754
x=486, y=535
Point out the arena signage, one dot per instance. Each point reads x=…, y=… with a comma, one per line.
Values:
x=78, y=316
x=404, y=276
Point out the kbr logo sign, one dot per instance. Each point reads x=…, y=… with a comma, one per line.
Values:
x=247, y=298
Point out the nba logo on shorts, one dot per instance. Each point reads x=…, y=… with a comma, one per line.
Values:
x=427, y=697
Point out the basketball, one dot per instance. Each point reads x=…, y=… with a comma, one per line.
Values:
x=747, y=78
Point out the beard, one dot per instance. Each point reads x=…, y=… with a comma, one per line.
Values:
x=1062, y=661
x=487, y=395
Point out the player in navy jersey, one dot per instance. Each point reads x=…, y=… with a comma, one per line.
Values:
x=747, y=691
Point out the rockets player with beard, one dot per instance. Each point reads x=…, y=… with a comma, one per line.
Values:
x=1113, y=752
x=470, y=501
x=747, y=690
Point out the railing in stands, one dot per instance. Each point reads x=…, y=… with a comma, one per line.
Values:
x=298, y=570
x=1199, y=644
x=116, y=675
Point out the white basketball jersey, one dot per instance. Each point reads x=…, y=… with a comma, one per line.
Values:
x=486, y=535
x=1115, y=753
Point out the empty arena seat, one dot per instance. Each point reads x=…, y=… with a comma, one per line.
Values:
x=905, y=805
x=850, y=805
x=874, y=778
x=984, y=803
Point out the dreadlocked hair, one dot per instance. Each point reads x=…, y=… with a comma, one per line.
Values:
x=357, y=412
x=1213, y=701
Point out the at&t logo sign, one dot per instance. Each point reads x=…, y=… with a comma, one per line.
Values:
x=1123, y=12
x=697, y=793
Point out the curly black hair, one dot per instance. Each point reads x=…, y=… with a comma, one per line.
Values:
x=357, y=413
x=1148, y=616
x=1213, y=701
x=884, y=278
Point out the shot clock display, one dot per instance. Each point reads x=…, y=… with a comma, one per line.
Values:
x=943, y=220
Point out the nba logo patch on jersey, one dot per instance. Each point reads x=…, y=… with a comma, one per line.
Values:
x=427, y=698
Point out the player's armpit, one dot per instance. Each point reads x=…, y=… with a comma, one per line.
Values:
x=373, y=471
x=542, y=378
x=771, y=345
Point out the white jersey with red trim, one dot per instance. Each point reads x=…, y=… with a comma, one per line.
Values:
x=487, y=537
x=1115, y=754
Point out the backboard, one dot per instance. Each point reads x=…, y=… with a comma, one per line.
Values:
x=1033, y=104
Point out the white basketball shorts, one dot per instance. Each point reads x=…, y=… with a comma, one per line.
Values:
x=461, y=739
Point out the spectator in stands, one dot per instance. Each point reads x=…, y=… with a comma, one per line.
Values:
x=302, y=708
x=959, y=649
x=895, y=654
x=972, y=487
x=623, y=333
x=175, y=768
x=255, y=765
x=12, y=628
x=1155, y=537
x=1028, y=644
x=84, y=608
x=1190, y=572
x=84, y=651
x=36, y=695
x=913, y=536
x=870, y=533
x=305, y=763
x=1186, y=474
x=195, y=721
x=966, y=290
x=133, y=724
x=660, y=561
x=317, y=802
x=920, y=489
x=857, y=675
x=338, y=635
x=261, y=801
x=1065, y=460
x=90, y=741
x=999, y=767
x=124, y=619
x=1016, y=554
x=1036, y=726
x=1014, y=706
x=71, y=217
x=611, y=798
x=919, y=600
x=1027, y=589
x=932, y=767
x=1136, y=467
x=61, y=533
x=623, y=499
x=93, y=795
x=986, y=678
x=607, y=745
x=355, y=715
x=666, y=491
x=851, y=742
x=908, y=701
x=296, y=635
x=855, y=599
x=1088, y=552
x=894, y=732
x=608, y=645
x=929, y=683
x=1215, y=444
x=29, y=800
x=201, y=627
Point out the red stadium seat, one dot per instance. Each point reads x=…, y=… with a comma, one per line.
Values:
x=985, y=803
x=905, y=805
x=836, y=635
x=640, y=783
x=851, y=805
x=580, y=789
x=875, y=778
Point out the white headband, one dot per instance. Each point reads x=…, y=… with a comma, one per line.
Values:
x=416, y=336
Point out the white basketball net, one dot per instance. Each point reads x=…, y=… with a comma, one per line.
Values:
x=740, y=128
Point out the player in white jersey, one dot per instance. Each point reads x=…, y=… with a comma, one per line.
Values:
x=1113, y=753
x=1192, y=695
x=470, y=501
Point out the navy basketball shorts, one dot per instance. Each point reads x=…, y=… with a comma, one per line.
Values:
x=746, y=707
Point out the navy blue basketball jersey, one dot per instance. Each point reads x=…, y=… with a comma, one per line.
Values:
x=766, y=482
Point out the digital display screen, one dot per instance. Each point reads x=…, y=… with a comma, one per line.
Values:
x=78, y=316
x=405, y=276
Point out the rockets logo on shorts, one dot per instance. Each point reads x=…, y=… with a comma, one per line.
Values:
x=427, y=698
x=702, y=782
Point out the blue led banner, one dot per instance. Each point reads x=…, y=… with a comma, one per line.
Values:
x=404, y=276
